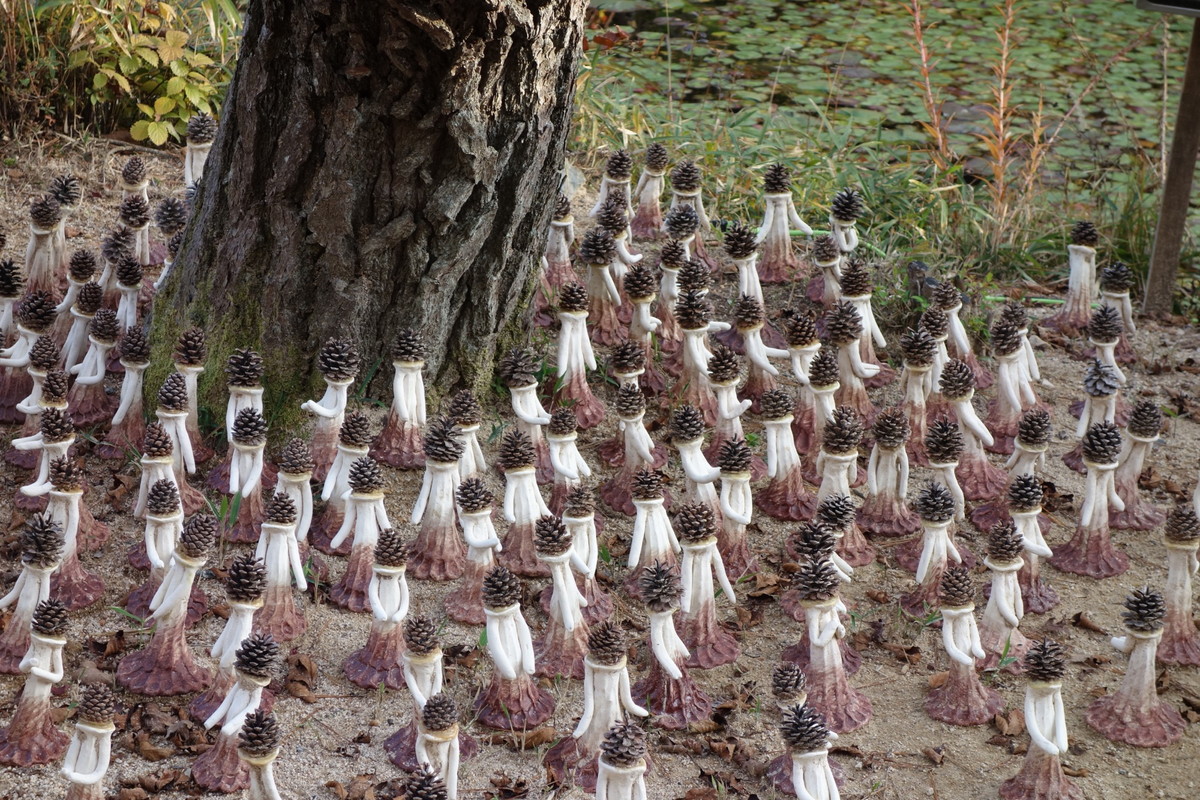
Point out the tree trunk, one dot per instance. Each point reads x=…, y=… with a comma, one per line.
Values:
x=378, y=165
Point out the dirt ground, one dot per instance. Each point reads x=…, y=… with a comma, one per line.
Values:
x=333, y=741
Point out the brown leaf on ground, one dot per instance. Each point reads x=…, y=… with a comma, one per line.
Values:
x=123, y=485
x=700, y=793
x=727, y=779
x=1074, y=772
x=338, y=790
x=524, y=741
x=1010, y=724
x=464, y=656
x=766, y=584
x=1081, y=620
x=508, y=789
x=361, y=788
x=748, y=616
x=301, y=678
x=148, y=750
x=936, y=755
x=879, y=596
x=132, y=793
x=938, y=679
x=909, y=655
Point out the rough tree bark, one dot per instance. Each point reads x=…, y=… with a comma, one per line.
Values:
x=379, y=164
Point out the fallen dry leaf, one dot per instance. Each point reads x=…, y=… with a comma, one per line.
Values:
x=148, y=750
x=1011, y=724
x=1081, y=620
x=1075, y=772
x=507, y=788
x=909, y=655
x=936, y=755
x=132, y=793
x=938, y=679
x=301, y=679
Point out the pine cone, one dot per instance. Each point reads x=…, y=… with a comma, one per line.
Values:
x=171, y=216
x=958, y=380
x=339, y=360
x=647, y=485
x=421, y=636
x=563, y=421
x=440, y=712
x=777, y=179
x=517, y=368
x=843, y=431
x=1144, y=610
x=776, y=404
x=157, y=442
x=1105, y=325
x=1116, y=278
x=501, y=588
x=813, y=541
x=1033, y=430
x=516, y=451
x=1005, y=543
x=1183, y=525
x=41, y=542
x=391, y=550
x=1145, y=420
x=856, y=280
x=935, y=322
x=685, y=177
x=734, y=457
x=1084, y=234
x=133, y=173
x=836, y=512
x=847, y=205
x=934, y=503
x=673, y=255
x=442, y=445
x=694, y=522
x=280, y=510
x=843, y=323
x=296, y=458
x=598, y=247
x=172, y=395
x=627, y=358
x=36, y=311
x=1006, y=339
x=134, y=347
x=198, y=536
x=424, y=784
x=44, y=354
x=67, y=190
x=65, y=475
x=630, y=404
x=117, y=245
x=740, y=241
x=612, y=216
x=82, y=267
x=639, y=282
x=246, y=579
x=45, y=212
x=562, y=208
x=816, y=581
x=725, y=366
x=823, y=370
x=1045, y=661
x=201, y=128
x=464, y=409
x=693, y=310
x=656, y=157
x=258, y=656
x=550, y=537
x=799, y=328
x=134, y=212
x=956, y=590
x=473, y=496
x=104, y=326
x=49, y=618
x=579, y=503
x=825, y=250
x=946, y=296
x=259, y=736
x=90, y=298
x=56, y=425
x=606, y=643
x=1013, y=313
x=365, y=477
x=129, y=272
x=1025, y=493
x=788, y=682
x=162, y=499
x=748, y=313
x=249, y=428
x=687, y=424
x=1102, y=443
x=174, y=244
x=804, y=729
x=54, y=387
x=624, y=744
x=97, y=705
x=659, y=586
x=693, y=276
x=573, y=298
x=944, y=441
x=356, y=430
x=244, y=368
x=12, y=282
x=619, y=166
x=681, y=222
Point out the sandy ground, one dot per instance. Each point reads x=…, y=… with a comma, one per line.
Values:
x=338, y=737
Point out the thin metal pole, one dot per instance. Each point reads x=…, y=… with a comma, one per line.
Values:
x=1177, y=188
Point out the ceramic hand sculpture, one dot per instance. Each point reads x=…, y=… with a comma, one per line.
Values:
x=248, y=441
x=338, y=362
x=638, y=450
x=1115, y=282
x=808, y=742
x=41, y=554
x=685, y=192
x=708, y=642
x=438, y=552
x=978, y=477
x=1090, y=551
x=90, y=752
x=786, y=497
x=998, y=632
x=517, y=370
x=258, y=747
x=1014, y=389
x=962, y=699
x=75, y=586
x=1181, y=641
x=935, y=506
x=570, y=468
x=523, y=504
x=1145, y=424
x=1081, y=287
x=279, y=550
x=294, y=481
x=599, y=253
x=243, y=376
x=129, y=420
x=244, y=585
x=41, y=256
x=399, y=443
x=353, y=443
x=561, y=648
x=474, y=500
x=622, y=763
x=201, y=130
x=779, y=260
x=32, y=737
x=576, y=358
x=467, y=416
x=365, y=518
x=172, y=420
x=647, y=217
x=379, y=661
x=618, y=172
x=171, y=218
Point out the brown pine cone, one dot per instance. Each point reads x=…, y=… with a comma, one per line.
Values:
x=1145, y=420
x=935, y=322
x=172, y=395
x=843, y=431
x=619, y=166
x=1116, y=278
x=259, y=736
x=1045, y=661
x=517, y=368
x=823, y=371
x=934, y=503
x=958, y=380
x=656, y=157
x=956, y=590
x=573, y=298
x=694, y=522
x=627, y=357
x=41, y=542
x=171, y=216
x=49, y=618
x=117, y=245
x=440, y=713
x=133, y=173
x=816, y=581
x=748, y=313
x=606, y=643
x=67, y=190
x=947, y=296
x=562, y=208
x=693, y=310
x=97, y=705
x=788, y=682
x=201, y=128
x=1013, y=313
x=339, y=360
x=1025, y=493
x=244, y=368
x=89, y=299
x=825, y=250
x=847, y=205
x=424, y=784
x=944, y=441
x=501, y=588
x=551, y=537
x=249, y=428
x=630, y=403
x=681, y=222
x=734, y=457
x=685, y=177
x=157, y=442
x=442, y=445
x=280, y=510
x=134, y=212
x=1084, y=234
x=365, y=477
x=624, y=744
x=804, y=729
x=65, y=475
x=598, y=247
x=516, y=451
x=1105, y=326
x=891, y=428
x=612, y=215
x=56, y=425
x=1006, y=339
x=54, y=387
x=391, y=550
x=1033, y=430
x=296, y=458
x=134, y=346
x=37, y=311
x=659, y=586
x=777, y=179
x=1183, y=525
x=673, y=255
x=836, y=512
x=12, y=282
x=776, y=404
x=82, y=267
x=799, y=328
x=856, y=280
x=464, y=409
x=1144, y=611
x=639, y=282
x=356, y=430
x=1005, y=543
x=420, y=634
x=44, y=354
x=813, y=541
x=246, y=579
x=647, y=485
x=725, y=366
x=563, y=422
x=579, y=503
x=198, y=536
x=843, y=324
x=473, y=496
x=1102, y=443
x=694, y=276
x=258, y=656
x=129, y=272
x=45, y=212
x=104, y=326
x=740, y=241
x=687, y=424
